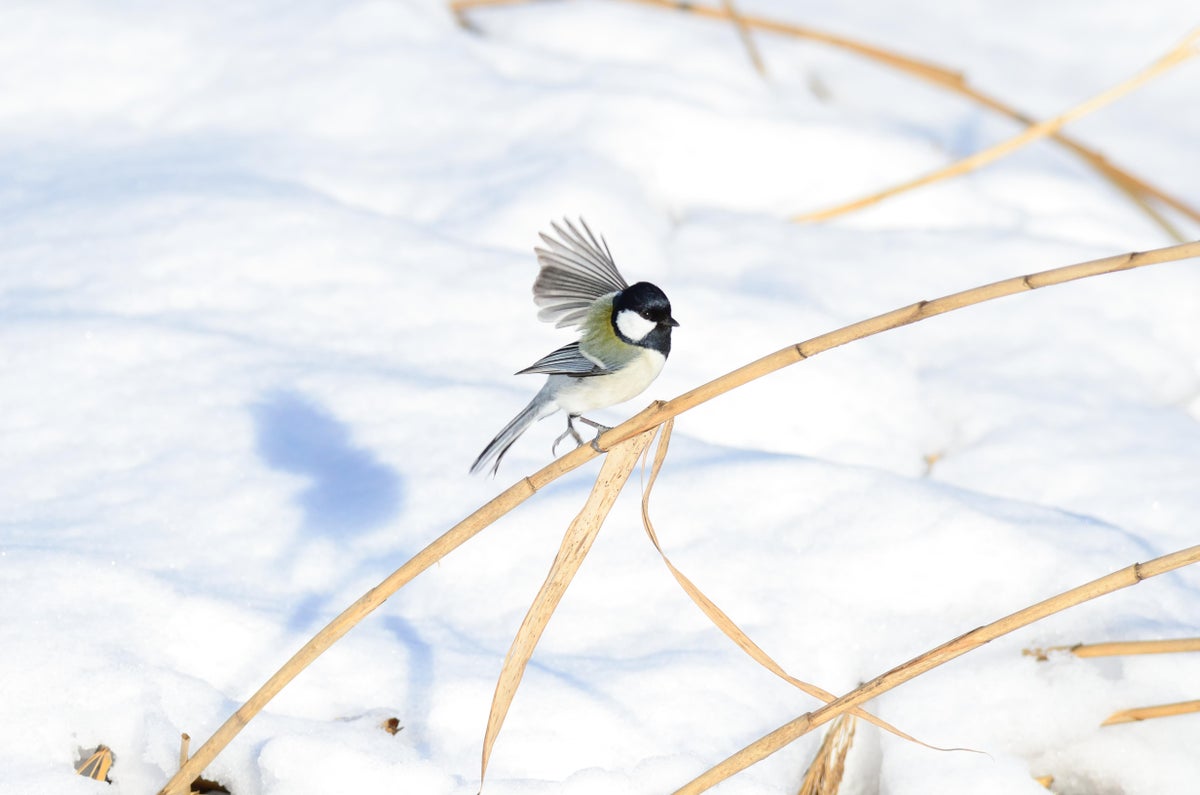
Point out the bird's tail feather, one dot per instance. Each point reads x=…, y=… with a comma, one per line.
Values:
x=541, y=406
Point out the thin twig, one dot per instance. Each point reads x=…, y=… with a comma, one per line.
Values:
x=466, y=529
x=1138, y=190
x=950, y=80
x=776, y=740
x=1176, y=56
x=1121, y=648
x=724, y=623
x=1145, y=713
x=576, y=543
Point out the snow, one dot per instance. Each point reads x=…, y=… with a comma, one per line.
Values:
x=264, y=274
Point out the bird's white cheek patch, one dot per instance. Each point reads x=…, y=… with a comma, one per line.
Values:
x=633, y=325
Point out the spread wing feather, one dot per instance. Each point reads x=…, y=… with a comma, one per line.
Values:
x=576, y=269
x=567, y=360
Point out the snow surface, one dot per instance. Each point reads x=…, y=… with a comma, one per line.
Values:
x=264, y=274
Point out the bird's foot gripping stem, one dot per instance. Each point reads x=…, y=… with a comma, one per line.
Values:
x=572, y=432
x=600, y=431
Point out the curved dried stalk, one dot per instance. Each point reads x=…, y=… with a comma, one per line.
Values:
x=1146, y=713
x=727, y=626
x=449, y=541
x=651, y=417
x=1138, y=190
x=769, y=744
x=1177, y=55
x=658, y=412
x=1120, y=648
x=576, y=543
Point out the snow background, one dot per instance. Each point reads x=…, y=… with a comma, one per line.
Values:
x=264, y=275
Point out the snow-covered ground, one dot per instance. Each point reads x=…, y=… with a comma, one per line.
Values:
x=264, y=278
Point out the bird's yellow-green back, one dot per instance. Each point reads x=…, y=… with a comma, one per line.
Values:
x=600, y=341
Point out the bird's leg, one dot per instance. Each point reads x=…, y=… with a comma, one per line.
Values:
x=570, y=431
x=600, y=431
x=599, y=428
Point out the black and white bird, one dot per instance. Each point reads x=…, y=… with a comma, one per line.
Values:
x=625, y=336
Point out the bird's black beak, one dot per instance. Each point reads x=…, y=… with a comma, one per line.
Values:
x=672, y=322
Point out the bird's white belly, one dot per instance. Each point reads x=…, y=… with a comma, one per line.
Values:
x=600, y=391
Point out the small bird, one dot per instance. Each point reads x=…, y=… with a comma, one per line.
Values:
x=625, y=337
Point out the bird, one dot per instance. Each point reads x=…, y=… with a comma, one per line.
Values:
x=625, y=337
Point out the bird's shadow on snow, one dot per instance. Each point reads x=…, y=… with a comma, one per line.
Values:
x=349, y=490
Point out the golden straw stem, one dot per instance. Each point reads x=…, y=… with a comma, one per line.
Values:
x=576, y=544
x=658, y=412
x=1176, y=56
x=1145, y=713
x=503, y=503
x=1121, y=648
x=946, y=78
x=724, y=623
x=1136, y=647
x=776, y=740
x=1136, y=189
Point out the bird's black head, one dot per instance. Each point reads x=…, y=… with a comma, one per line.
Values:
x=642, y=316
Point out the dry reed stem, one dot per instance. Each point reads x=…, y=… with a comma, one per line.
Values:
x=650, y=417
x=1177, y=55
x=658, y=412
x=743, y=31
x=1121, y=648
x=724, y=623
x=1138, y=190
x=824, y=775
x=184, y=741
x=1145, y=713
x=450, y=540
x=770, y=743
x=576, y=543
x=1136, y=647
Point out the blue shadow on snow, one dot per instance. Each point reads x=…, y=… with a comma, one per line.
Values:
x=351, y=491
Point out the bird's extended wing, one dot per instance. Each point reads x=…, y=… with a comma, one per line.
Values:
x=567, y=360
x=576, y=269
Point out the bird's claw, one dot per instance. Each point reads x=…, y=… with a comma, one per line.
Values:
x=570, y=431
x=600, y=431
